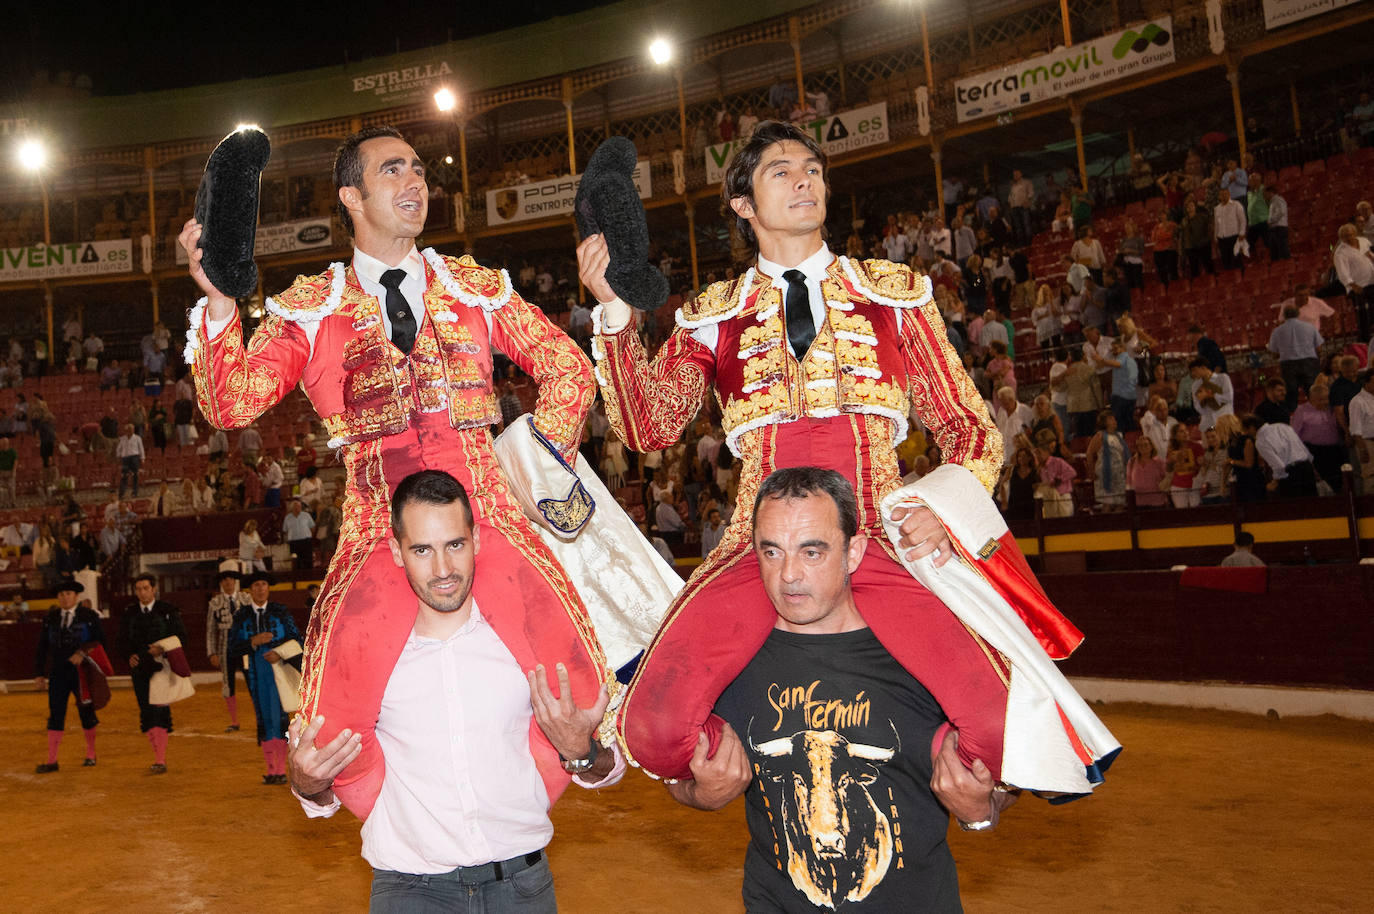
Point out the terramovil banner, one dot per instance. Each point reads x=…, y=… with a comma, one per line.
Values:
x=1278, y=13
x=54, y=261
x=837, y=133
x=543, y=199
x=1066, y=70
x=284, y=237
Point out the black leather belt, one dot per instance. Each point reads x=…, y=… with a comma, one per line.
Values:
x=501, y=869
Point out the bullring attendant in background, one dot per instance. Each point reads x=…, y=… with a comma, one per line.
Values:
x=70, y=641
x=394, y=352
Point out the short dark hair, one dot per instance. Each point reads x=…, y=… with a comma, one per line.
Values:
x=803, y=482
x=1102, y=418
x=150, y=578
x=348, y=165
x=430, y=487
x=1245, y=538
x=1199, y=362
x=739, y=174
x=1275, y=382
x=1196, y=328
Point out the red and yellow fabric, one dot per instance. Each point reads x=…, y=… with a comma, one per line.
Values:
x=392, y=414
x=881, y=352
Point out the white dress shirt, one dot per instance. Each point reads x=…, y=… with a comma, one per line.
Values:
x=813, y=268
x=1353, y=266
x=129, y=445
x=1360, y=414
x=370, y=270
x=1230, y=219
x=1224, y=399
x=1280, y=447
x=461, y=787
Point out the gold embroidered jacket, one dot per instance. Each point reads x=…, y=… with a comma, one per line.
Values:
x=326, y=333
x=881, y=350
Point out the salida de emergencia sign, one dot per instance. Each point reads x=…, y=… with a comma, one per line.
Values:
x=55, y=261
x=837, y=133
x=1066, y=70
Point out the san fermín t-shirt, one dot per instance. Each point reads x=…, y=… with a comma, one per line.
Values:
x=841, y=815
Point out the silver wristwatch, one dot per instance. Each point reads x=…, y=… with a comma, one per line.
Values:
x=579, y=765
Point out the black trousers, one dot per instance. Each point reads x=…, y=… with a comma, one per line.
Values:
x=149, y=715
x=1200, y=259
x=63, y=683
x=1328, y=459
x=1166, y=266
x=1301, y=481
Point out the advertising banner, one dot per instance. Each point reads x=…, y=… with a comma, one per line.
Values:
x=1066, y=70
x=55, y=261
x=837, y=133
x=1278, y=13
x=284, y=237
x=404, y=84
x=542, y=199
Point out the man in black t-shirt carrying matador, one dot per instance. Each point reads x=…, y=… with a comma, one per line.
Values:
x=848, y=774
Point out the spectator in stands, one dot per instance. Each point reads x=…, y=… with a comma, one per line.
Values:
x=1183, y=458
x=305, y=455
x=311, y=490
x=1046, y=317
x=9, y=471
x=711, y=531
x=744, y=127
x=1013, y=419
x=975, y=285
x=1195, y=232
x=1235, y=181
x=510, y=405
x=138, y=418
x=1142, y=177
x=1087, y=250
x=84, y=549
x=157, y=425
x=1257, y=216
x=1321, y=434
x=165, y=502
x=92, y=348
x=1125, y=385
x=1019, y=479
x=1288, y=459
x=995, y=329
x=1046, y=427
x=1274, y=407
x=1130, y=255
x=1242, y=456
x=579, y=320
x=1213, y=395
x=71, y=330
x=1206, y=348
x=110, y=375
x=1214, y=469
x=1360, y=425
x=1243, y=556
x=896, y=244
x=965, y=243
x=298, y=529
x=1082, y=394
x=1001, y=277
x=1081, y=207
x=1344, y=389
x=1277, y=225
x=1230, y=225
x=1160, y=385
x=1355, y=269
x=1020, y=199
x=1157, y=425
x=1106, y=459
x=941, y=239
x=111, y=541
x=272, y=480
x=667, y=520
x=129, y=452
x=252, y=552
x=217, y=444
x=1164, y=239
x=1147, y=475
x=328, y=523
x=1000, y=369
x=183, y=414
x=250, y=443
x=1297, y=344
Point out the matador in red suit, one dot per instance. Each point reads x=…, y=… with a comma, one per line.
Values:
x=395, y=353
x=815, y=360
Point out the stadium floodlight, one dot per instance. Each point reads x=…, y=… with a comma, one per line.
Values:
x=448, y=160
x=660, y=51
x=33, y=155
x=445, y=100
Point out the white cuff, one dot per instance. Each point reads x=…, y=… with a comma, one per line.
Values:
x=215, y=328
x=315, y=810
x=615, y=316
x=613, y=776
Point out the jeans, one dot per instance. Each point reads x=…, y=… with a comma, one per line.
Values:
x=128, y=469
x=466, y=890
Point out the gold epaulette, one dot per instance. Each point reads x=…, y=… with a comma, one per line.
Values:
x=888, y=283
x=473, y=284
x=306, y=297
x=721, y=300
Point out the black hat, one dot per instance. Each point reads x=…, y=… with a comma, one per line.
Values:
x=227, y=575
x=68, y=584
x=227, y=209
x=608, y=203
x=254, y=577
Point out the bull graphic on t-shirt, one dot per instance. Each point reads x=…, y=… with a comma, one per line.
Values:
x=839, y=844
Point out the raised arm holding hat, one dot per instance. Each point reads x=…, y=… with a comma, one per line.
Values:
x=394, y=350
x=815, y=360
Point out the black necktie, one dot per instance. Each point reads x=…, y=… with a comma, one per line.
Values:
x=398, y=310
x=801, y=327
